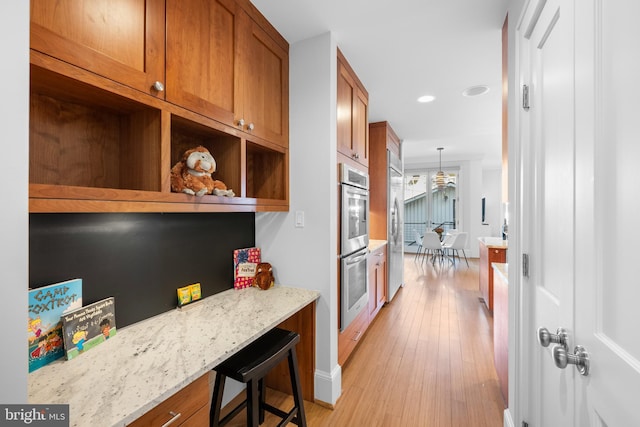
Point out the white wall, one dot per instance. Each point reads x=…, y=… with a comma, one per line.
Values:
x=306, y=257
x=14, y=219
x=471, y=200
x=492, y=192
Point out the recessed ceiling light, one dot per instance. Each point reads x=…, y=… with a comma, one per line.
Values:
x=426, y=98
x=475, y=90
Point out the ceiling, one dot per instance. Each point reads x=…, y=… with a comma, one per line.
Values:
x=404, y=49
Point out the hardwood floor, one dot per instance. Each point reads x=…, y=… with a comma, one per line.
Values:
x=427, y=359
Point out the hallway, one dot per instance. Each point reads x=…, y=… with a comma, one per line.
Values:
x=427, y=359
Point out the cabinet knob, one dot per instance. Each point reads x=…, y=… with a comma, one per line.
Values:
x=355, y=155
x=250, y=126
x=241, y=122
x=158, y=86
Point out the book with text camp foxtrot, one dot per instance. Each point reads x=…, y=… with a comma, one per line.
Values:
x=47, y=304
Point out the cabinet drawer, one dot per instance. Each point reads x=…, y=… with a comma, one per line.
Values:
x=187, y=402
x=350, y=337
x=199, y=419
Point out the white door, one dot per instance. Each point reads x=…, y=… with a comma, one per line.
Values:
x=607, y=294
x=581, y=163
x=547, y=34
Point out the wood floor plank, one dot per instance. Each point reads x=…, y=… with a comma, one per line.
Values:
x=425, y=361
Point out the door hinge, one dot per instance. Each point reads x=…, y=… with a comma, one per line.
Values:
x=525, y=265
x=525, y=97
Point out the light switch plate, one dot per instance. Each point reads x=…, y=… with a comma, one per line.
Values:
x=299, y=219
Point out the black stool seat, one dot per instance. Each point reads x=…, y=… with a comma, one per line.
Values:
x=250, y=365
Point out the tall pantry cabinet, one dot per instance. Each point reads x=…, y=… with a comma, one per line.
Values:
x=353, y=149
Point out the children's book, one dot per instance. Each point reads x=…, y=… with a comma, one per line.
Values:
x=46, y=307
x=88, y=326
x=245, y=262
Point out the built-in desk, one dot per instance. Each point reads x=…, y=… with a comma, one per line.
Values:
x=492, y=249
x=145, y=363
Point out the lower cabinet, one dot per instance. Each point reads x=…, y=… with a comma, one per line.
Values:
x=188, y=407
x=377, y=272
x=350, y=337
x=377, y=280
x=490, y=252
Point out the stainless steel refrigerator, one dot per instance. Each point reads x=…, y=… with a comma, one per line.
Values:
x=395, y=226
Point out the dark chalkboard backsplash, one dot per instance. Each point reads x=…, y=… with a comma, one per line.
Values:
x=138, y=258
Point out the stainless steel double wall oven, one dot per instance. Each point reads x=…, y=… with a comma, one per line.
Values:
x=354, y=241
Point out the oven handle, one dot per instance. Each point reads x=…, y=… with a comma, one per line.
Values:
x=355, y=259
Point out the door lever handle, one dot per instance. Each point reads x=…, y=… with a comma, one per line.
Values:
x=560, y=337
x=580, y=358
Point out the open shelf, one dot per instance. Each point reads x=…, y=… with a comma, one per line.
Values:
x=267, y=173
x=225, y=149
x=95, y=149
x=80, y=135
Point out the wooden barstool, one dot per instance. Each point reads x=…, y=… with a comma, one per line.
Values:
x=250, y=365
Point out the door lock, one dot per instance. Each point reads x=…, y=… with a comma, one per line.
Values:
x=580, y=358
x=560, y=337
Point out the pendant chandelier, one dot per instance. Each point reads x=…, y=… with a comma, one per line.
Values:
x=440, y=181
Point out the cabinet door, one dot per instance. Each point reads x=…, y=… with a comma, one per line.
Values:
x=360, y=127
x=346, y=93
x=352, y=112
x=373, y=284
x=122, y=40
x=381, y=290
x=202, y=56
x=263, y=104
x=377, y=281
x=484, y=268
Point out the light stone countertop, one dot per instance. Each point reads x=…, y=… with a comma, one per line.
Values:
x=145, y=363
x=494, y=242
x=375, y=244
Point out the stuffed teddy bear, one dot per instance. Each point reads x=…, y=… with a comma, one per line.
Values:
x=264, y=276
x=192, y=175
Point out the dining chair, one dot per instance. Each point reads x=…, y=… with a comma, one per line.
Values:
x=455, y=245
x=431, y=244
x=449, y=235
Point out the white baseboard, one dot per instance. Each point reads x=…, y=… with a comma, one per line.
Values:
x=508, y=421
x=328, y=386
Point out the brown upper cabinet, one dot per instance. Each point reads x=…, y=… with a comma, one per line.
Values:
x=222, y=64
x=264, y=84
x=214, y=52
x=120, y=40
x=352, y=112
x=107, y=123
